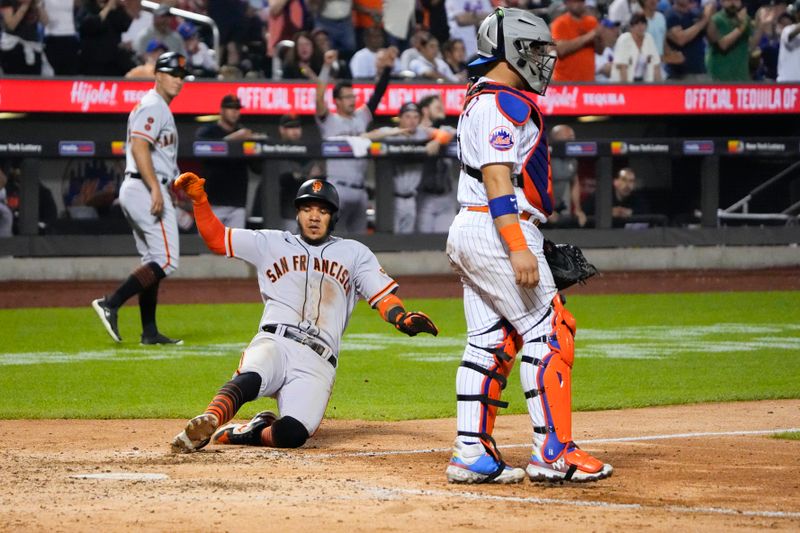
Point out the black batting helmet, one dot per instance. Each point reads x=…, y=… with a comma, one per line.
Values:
x=319, y=190
x=173, y=64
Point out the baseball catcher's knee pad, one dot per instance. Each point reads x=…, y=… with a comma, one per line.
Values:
x=249, y=384
x=554, y=376
x=288, y=432
x=490, y=362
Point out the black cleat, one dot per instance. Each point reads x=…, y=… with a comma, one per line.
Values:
x=158, y=338
x=108, y=316
x=246, y=434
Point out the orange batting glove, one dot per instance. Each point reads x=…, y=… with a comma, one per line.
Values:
x=192, y=184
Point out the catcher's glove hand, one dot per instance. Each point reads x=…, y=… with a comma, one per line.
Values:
x=567, y=264
x=192, y=184
x=414, y=322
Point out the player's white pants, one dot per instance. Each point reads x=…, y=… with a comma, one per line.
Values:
x=491, y=294
x=435, y=212
x=293, y=374
x=352, y=209
x=405, y=214
x=156, y=239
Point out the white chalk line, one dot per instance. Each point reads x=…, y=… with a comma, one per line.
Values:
x=582, y=442
x=381, y=491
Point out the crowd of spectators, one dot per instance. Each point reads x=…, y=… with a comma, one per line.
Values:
x=596, y=40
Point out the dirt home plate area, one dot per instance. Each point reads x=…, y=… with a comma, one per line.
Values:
x=708, y=467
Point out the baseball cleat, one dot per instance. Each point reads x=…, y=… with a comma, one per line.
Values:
x=472, y=464
x=196, y=435
x=248, y=434
x=574, y=465
x=158, y=338
x=108, y=316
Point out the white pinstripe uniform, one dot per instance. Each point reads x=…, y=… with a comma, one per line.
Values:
x=156, y=239
x=311, y=290
x=480, y=257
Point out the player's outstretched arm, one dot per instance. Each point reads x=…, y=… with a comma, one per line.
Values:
x=211, y=229
x=409, y=322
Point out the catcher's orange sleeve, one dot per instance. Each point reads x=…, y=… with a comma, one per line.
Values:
x=211, y=229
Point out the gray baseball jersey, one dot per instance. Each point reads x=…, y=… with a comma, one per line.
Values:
x=152, y=121
x=346, y=171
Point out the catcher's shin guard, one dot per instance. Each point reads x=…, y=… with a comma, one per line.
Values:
x=481, y=378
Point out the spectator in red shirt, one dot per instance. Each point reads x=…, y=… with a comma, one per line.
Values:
x=574, y=34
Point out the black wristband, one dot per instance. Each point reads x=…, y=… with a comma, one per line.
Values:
x=394, y=314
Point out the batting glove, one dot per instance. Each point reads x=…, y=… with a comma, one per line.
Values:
x=192, y=184
x=414, y=322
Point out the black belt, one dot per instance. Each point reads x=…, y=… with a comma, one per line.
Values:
x=137, y=176
x=349, y=185
x=516, y=179
x=406, y=196
x=303, y=339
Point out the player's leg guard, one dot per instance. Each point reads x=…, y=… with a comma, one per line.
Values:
x=481, y=378
x=546, y=371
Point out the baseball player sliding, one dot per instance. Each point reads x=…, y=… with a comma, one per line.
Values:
x=150, y=165
x=510, y=299
x=309, y=283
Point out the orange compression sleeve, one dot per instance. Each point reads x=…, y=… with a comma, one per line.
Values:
x=512, y=234
x=211, y=229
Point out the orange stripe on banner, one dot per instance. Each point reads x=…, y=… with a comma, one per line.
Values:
x=381, y=292
x=166, y=244
x=143, y=134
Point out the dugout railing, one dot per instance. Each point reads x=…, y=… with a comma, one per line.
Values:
x=709, y=152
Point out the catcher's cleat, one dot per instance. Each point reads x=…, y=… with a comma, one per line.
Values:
x=196, y=435
x=245, y=434
x=472, y=464
x=158, y=338
x=574, y=465
x=108, y=317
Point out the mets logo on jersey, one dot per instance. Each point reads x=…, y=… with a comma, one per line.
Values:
x=501, y=138
x=316, y=186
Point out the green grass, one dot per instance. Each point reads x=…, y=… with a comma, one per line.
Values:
x=788, y=435
x=632, y=351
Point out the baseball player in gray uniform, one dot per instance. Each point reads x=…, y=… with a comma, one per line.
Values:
x=150, y=165
x=310, y=283
x=510, y=298
x=436, y=201
x=348, y=120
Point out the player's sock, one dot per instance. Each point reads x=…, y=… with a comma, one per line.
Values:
x=148, y=300
x=235, y=393
x=141, y=278
x=266, y=437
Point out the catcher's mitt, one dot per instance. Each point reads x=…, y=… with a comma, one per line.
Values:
x=567, y=264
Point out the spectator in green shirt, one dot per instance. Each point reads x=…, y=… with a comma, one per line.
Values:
x=729, y=33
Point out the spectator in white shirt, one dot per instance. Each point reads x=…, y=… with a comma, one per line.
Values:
x=429, y=64
x=789, y=52
x=607, y=35
x=635, y=55
x=362, y=64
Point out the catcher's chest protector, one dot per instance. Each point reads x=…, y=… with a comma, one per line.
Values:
x=518, y=107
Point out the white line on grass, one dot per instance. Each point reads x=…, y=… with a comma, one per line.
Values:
x=587, y=441
x=388, y=492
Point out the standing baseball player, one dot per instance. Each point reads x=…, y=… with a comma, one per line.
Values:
x=150, y=165
x=494, y=244
x=310, y=283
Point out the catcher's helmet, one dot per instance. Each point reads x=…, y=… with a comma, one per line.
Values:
x=522, y=39
x=319, y=190
x=173, y=64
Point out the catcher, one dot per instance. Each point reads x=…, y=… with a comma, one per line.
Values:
x=511, y=296
x=310, y=283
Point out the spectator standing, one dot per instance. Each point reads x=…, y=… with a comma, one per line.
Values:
x=229, y=16
x=366, y=14
x=101, y=24
x=147, y=70
x=635, y=55
x=455, y=55
x=769, y=47
x=303, y=56
x=20, y=42
x=349, y=121
x=362, y=64
x=60, y=37
x=161, y=30
x=574, y=33
x=336, y=18
x=607, y=35
x=463, y=19
x=656, y=23
x=436, y=204
x=141, y=20
x=339, y=68
x=285, y=19
x=729, y=32
x=227, y=179
x=621, y=11
x=566, y=185
x=201, y=60
x=789, y=54
x=685, y=30
x=429, y=64
x=434, y=19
